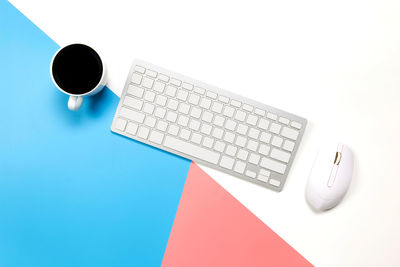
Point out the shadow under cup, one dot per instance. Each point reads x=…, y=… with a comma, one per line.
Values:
x=77, y=69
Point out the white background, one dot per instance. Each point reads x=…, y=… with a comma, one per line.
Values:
x=337, y=63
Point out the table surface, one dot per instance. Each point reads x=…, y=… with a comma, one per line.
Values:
x=335, y=63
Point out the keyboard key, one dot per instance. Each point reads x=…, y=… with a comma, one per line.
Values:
x=148, y=108
x=150, y=121
x=175, y=82
x=170, y=91
x=252, y=145
x=227, y=162
x=140, y=69
x=194, y=99
x=160, y=112
x=252, y=120
x=149, y=96
x=206, y=129
x=242, y=154
x=259, y=112
x=185, y=134
x=120, y=124
x=199, y=90
x=131, y=114
x=272, y=116
x=211, y=95
x=217, y=107
x=205, y=103
x=284, y=120
x=241, y=141
x=229, y=137
x=265, y=137
x=219, y=120
x=196, y=138
x=275, y=128
x=229, y=111
x=163, y=77
x=239, y=167
x=208, y=142
x=182, y=95
x=274, y=182
x=264, y=149
x=173, y=129
x=230, y=125
x=133, y=102
x=162, y=126
x=290, y=133
x=273, y=165
x=277, y=141
x=143, y=132
x=265, y=172
x=187, y=86
x=161, y=100
x=254, y=158
x=251, y=174
x=231, y=150
x=254, y=133
x=196, y=151
x=194, y=125
x=147, y=82
x=151, y=73
x=132, y=128
x=171, y=116
x=217, y=133
x=136, y=78
x=207, y=116
x=156, y=137
x=184, y=108
x=223, y=99
x=296, y=125
x=173, y=104
x=242, y=129
x=263, y=124
x=135, y=91
x=262, y=178
x=236, y=103
x=195, y=112
x=159, y=87
x=247, y=107
x=280, y=155
x=288, y=145
x=183, y=120
x=219, y=146
x=240, y=115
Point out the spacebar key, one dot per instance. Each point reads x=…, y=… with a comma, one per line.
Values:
x=191, y=149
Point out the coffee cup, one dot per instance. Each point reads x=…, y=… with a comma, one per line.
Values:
x=77, y=70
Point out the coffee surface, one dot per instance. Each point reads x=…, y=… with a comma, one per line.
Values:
x=77, y=69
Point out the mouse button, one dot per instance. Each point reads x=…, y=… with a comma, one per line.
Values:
x=340, y=147
x=332, y=177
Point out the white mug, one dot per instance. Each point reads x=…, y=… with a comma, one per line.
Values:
x=78, y=70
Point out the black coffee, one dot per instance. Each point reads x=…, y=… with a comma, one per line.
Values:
x=77, y=69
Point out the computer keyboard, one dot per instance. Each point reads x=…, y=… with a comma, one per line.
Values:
x=208, y=125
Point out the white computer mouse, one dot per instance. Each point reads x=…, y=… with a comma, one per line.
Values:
x=330, y=176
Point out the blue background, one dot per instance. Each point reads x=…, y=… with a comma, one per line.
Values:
x=72, y=193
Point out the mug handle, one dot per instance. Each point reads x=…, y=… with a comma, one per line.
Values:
x=75, y=102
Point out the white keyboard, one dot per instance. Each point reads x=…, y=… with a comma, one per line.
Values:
x=210, y=126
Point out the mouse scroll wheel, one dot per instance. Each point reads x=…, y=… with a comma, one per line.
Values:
x=338, y=157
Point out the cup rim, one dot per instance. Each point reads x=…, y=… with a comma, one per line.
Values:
x=62, y=90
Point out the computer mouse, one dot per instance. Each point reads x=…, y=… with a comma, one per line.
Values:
x=330, y=176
